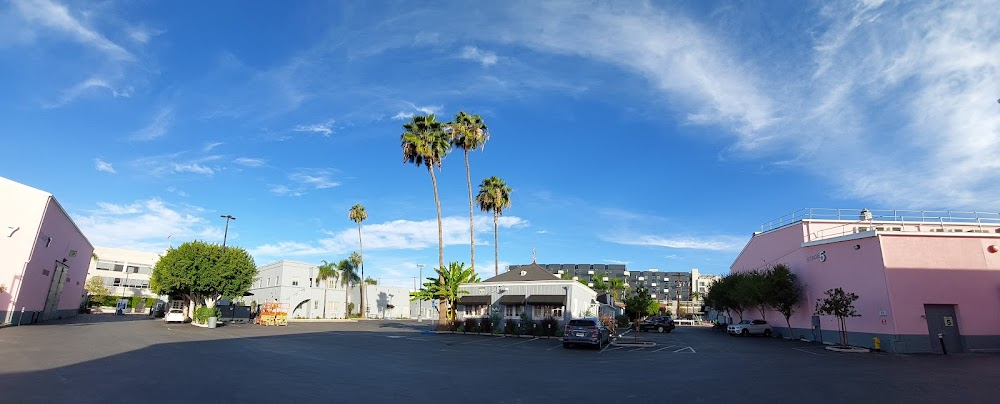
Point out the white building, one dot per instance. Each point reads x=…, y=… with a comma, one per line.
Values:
x=295, y=283
x=702, y=283
x=383, y=301
x=126, y=273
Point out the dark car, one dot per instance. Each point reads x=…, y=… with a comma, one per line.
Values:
x=658, y=324
x=587, y=331
x=158, y=310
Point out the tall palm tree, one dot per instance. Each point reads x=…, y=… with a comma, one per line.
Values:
x=348, y=278
x=446, y=286
x=327, y=270
x=425, y=144
x=617, y=286
x=494, y=196
x=468, y=132
x=358, y=215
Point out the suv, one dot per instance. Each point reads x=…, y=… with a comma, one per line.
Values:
x=589, y=331
x=747, y=327
x=658, y=324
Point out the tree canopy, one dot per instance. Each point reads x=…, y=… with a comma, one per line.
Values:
x=204, y=272
x=640, y=304
x=445, y=286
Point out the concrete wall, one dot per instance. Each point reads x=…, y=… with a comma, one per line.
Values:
x=378, y=297
x=38, y=237
x=276, y=282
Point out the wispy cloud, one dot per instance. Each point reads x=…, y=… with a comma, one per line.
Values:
x=324, y=128
x=211, y=146
x=143, y=34
x=193, y=168
x=711, y=243
x=282, y=190
x=413, y=109
x=175, y=163
x=316, y=179
x=394, y=235
x=249, y=162
x=485, y=58
x=144, y=225
x=157, y=128
x=83, y=87
x=58, y=18
x=104, y=166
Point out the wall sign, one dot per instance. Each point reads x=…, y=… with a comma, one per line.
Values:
x=949, y=321
x=820, y=256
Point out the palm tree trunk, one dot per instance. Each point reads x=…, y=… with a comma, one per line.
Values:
x=496, y=247
x=324, y=302
x=361, y=252
x=442, y=315
x=472, y=229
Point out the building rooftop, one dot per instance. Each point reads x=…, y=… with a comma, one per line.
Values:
x=854, y=221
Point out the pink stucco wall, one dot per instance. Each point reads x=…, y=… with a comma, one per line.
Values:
x=65, y=237
x=956, y=270
x=894, y=275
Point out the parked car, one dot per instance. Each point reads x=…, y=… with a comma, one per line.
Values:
x=587, y=331
x=158, y=310
x=750, y=327
x=174, y=316
x=658, y=324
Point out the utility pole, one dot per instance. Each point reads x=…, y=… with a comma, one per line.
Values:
x=420, y=302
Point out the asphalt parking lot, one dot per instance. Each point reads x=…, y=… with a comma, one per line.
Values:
x=101, y=358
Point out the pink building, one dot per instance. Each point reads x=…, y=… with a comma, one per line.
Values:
x=917, y=275
x=43, y=256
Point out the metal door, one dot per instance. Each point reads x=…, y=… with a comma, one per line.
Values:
x=817, y=329
x=51, y=309
x=941, y=320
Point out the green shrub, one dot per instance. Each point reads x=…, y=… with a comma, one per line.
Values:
x=471, y=325
x=485, y=325
x=202, y=314
x=527, y=325
x=496, y=323
x=622, y=320
x=512, y=327
x=548, y=326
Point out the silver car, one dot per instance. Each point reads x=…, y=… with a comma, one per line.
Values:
x=586, y=331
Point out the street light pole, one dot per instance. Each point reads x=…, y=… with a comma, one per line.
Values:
x=420, y=303
x=226, y=233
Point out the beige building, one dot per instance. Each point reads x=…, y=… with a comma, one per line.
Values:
x=126, y=273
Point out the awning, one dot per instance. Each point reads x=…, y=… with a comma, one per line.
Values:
x=557, y=300
x=473, y=300
x=511, y=300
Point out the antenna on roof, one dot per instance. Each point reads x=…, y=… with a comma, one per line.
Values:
x=533, y=258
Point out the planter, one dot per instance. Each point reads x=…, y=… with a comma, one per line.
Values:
x=212, y=321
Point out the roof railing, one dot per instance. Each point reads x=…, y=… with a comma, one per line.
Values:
x=884, y=216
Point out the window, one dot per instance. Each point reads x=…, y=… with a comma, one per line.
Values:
x=119, y=267
x=269, y=281
x=105, y=265
x=118, y=282
x=133, y=269
x=475, y=310
x=513, y=311
x=295, y=282
x=315, y=303
x=545, y=310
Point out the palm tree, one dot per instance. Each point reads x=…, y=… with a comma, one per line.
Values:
x=617, y=286
x=358, y=215
x=445, y=287
x=326, y=271
x=425, y=144
x=348, y=277
x=494, y=196
x=468, y=132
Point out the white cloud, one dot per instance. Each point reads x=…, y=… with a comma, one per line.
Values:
x=144, y=225
x=413, y=109
x=142, y=34
x=104, y=166
x=317, y=179
x=394, y=235
x=282, y=190
x=58, y=18
x=159, y=127
x=323, y=128
x=193, y=168
x=211, y=146
x=249, y=162
x=83, y=87
x=713, y=243
x=485, y=58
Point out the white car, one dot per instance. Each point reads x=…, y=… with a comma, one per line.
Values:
x=174, y=316
x=748, y=327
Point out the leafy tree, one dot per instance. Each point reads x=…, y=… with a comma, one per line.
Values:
x=445, y=287
x=752, y=291
x=840, y=304
x=425, y=144
x=327, y=270
x=599, y=282
x=96, y=288
x=786, y=292
x=640, y=304
x=202, y=273
x=494, y=196
x=617, y=288
x=358, y=215
x=468, y=132
x=370, y=281
x=348, y=278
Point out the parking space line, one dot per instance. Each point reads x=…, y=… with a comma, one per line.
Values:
x=658, y=350
x=521, y=342
x=557, y=346
x=610, y=348
x=803, y=350
x=688, y=348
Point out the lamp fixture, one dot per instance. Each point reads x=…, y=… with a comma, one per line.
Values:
x=857, y=246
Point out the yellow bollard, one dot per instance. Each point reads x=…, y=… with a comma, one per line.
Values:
x=878, y=344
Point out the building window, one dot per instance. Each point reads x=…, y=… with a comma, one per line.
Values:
x=475, y=310
x=295, y=282
x=133, y=269
x=119, y=268
x=104, y=265
x=513, y=311
x=545, y=310
x=315, y=304
x=118, y=282
x=269, y=281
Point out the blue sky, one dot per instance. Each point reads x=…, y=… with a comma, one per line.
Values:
x=657, y=134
